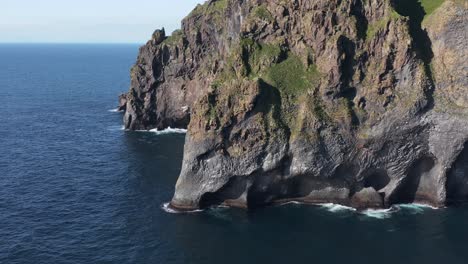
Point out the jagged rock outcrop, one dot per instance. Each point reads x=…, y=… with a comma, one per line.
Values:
x=122, y=102
x=172, y=72
x=357, y=102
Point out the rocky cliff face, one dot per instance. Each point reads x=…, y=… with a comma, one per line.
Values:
x=357, y=102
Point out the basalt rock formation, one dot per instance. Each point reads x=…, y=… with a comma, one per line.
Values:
x=357, y=102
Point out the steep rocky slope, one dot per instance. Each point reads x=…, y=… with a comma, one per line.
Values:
x=357, y=102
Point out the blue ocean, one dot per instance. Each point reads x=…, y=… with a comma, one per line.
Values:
x=76, y=188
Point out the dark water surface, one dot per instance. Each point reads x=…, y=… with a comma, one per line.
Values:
x=75, y=188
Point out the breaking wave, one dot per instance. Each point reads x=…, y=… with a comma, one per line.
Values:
x=168, y=130
x=374, y=213
x=379, y=213
x=331, y=207
x=407, y=208
x=416, y=208
x=168, y=209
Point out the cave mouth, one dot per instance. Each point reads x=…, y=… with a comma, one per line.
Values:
x=378, y=180
x=457, y=179
x=232, y=190
x=409, y=191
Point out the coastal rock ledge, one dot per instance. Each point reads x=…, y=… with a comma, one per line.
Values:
x=357, y=102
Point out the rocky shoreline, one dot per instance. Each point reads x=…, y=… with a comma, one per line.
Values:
x=359, y=103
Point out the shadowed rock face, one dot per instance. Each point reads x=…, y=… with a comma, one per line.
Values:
x=353, y=102
x=457, y=182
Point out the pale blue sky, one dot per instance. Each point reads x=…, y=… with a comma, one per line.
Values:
x=89, y=21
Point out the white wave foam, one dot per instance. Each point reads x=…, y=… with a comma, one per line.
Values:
x=168, y=130
x=290, y=202
x=336, y=207
x=168, y=209
x=378, y=213
x=331, y=207
x=115, y=110
x=425, y=206
x=116, y=128
x=416, y=208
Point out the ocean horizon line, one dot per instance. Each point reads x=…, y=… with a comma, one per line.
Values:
x=71, y=43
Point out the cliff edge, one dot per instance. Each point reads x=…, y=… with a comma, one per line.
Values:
x=357, y=102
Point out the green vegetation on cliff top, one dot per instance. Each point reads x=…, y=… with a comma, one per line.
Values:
x=430, y=5
x=380, y=24
x=174, y=38
x=409, y=8
x=215, y=10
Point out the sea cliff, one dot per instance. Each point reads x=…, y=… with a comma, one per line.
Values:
x=358, y=102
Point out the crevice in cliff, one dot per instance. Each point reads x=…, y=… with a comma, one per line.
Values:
x=421, y=42
x=269, y=102
x=357, y=10
x=457, y=178
x=128, y=121
x=348, y=48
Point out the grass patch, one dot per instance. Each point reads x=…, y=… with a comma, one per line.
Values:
x=430, y=6
x=207, y=8
x=257, y=57
x=284, y=81
x=318, y=109
x=214, y=10
x=291, y=76
x=375, y=27
x=176, y=36
x=262, y=13
x=217, y=7
x=417, y=9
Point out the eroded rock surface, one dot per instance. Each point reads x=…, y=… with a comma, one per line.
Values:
x=361, y=103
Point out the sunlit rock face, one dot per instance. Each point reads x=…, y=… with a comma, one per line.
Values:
x=362, y=103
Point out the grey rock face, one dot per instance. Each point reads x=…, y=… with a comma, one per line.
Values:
x=314, y=101
x=122, y=102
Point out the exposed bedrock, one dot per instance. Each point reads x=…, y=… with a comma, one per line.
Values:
x=172, y=72
x=353, y=102
x=122, y=102
x=410, y=166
